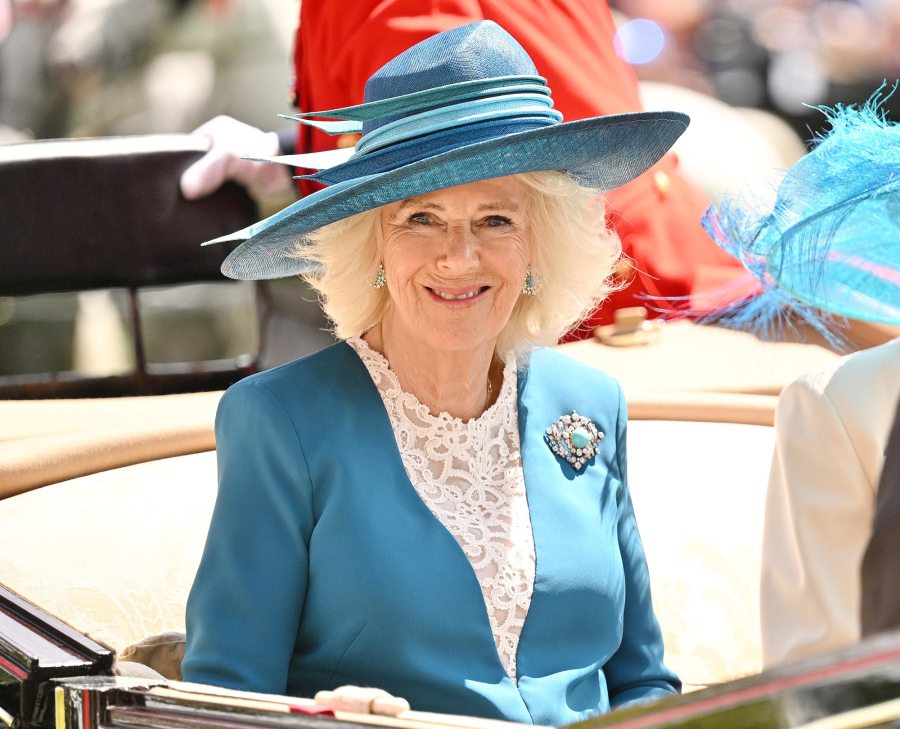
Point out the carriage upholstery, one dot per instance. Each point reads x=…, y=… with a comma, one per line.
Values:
x=121, y=224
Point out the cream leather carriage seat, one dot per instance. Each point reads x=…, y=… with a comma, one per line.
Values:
x=113, y=552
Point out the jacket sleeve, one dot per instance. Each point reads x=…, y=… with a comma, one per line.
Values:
x=245, y=604
x=636, y=672
x=809, y=590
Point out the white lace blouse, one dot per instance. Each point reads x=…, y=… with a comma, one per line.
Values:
x=469, y=474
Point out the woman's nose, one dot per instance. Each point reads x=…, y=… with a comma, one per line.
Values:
x=460, y=249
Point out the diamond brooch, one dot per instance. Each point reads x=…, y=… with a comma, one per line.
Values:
x=574, y=438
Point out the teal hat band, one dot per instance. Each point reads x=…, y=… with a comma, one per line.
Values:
x=457, y=115
x=331, y=128
x=351, y=118
x=438, y=96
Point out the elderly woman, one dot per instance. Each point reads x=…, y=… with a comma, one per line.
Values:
x=432, y=506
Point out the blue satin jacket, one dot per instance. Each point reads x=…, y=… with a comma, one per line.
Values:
x=323, y=566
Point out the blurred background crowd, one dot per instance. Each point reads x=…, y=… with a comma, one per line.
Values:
x=83, y=68
x=78, y=68
x=103, y=67
x=779, y=55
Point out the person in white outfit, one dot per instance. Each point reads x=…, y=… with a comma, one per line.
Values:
x=831, y=431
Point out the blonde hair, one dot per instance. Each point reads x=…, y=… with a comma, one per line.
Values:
x=572, y=256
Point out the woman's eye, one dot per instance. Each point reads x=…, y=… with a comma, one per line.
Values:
x=496, y=221
x=420, y=219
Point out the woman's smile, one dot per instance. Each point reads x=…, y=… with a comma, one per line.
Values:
x=458, y=296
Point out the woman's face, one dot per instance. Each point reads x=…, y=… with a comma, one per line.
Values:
x=455, y=262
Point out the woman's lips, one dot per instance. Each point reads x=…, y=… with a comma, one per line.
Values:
x=457, y=295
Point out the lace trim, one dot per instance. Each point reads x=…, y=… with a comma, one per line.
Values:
x=469, y=474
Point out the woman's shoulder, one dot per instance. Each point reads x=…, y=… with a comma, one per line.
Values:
x=301, y=399
x=301, y=378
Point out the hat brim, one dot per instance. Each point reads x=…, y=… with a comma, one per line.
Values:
x=601, y=152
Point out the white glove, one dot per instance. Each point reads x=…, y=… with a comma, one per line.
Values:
x=362, y=700
x=232, y=140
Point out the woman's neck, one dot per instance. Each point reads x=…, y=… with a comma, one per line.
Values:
x=462, y=383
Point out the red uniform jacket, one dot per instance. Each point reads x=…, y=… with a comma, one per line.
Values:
x=340, y=44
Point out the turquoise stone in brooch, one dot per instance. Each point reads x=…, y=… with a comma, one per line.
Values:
x=574, y=438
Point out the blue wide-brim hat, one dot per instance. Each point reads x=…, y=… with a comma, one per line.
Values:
x=830, y=243
x=461, y=106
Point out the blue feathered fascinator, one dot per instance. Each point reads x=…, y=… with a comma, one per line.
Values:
x=830, y=244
